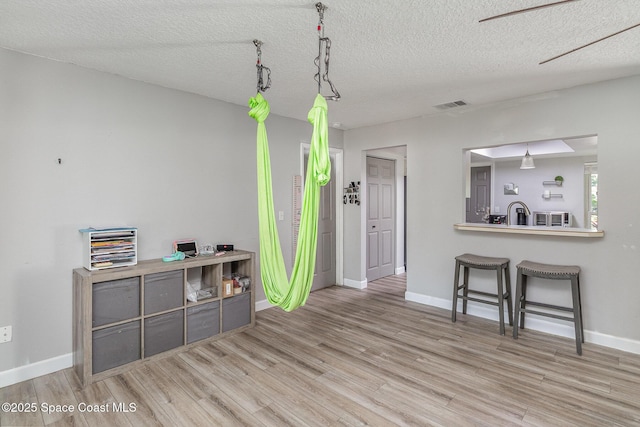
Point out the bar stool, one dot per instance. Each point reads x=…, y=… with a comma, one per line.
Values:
x=552, y=272
x=501, y=265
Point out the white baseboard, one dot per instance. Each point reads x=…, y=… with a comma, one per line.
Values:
x=400, y=270
x=355, y=284
x=263, y=305
x=533, y=322
x=37, y=369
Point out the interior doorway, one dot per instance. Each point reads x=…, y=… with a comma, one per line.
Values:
x=381, y=230
x=398, y=155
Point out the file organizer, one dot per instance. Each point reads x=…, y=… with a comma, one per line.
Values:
x=109, y=247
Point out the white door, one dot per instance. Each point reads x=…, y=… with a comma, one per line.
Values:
x=325, y=271
x=380, y=218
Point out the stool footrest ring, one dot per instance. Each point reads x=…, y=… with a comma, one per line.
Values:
x=478, y=300
x=555, y=307
x=543, y=313
x=486, y=294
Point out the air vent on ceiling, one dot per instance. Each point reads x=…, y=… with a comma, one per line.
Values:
x=449, y=105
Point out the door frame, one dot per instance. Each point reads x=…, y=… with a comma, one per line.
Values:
x=400, y=161
x=338, y=155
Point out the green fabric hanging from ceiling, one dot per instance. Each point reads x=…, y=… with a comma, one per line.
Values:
x=292, y=294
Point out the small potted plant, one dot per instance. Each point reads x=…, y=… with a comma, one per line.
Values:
x=559, y=180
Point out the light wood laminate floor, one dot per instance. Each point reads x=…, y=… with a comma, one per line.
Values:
x=356, y=357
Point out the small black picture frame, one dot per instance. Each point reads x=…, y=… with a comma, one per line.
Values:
x=188, y=246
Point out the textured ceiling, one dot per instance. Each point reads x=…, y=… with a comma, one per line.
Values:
x=390, y=60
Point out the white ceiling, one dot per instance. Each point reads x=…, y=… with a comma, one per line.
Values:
x=390, y=60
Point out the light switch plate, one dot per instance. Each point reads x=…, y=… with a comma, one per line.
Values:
x=5, y=334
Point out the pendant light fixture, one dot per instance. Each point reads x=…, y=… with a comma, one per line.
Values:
x=527, y=161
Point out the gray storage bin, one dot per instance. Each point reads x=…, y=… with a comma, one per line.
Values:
x=236, y=311
x=115, y=300
x=163, y=291
x=115, y=346
x=203, y=321
x=163, y=332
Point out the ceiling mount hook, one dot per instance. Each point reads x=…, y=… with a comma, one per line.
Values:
x=322, y=40
x=321, y=8
x=261, y=69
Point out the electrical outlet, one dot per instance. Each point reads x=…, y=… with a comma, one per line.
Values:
x=5, y=334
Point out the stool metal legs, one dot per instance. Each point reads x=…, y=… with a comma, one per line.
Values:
x=521, y=286
x=456, y=280
x=501, y=295
x=577, y=312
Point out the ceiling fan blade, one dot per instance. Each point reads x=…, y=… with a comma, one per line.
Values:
x=529, y=9
x=589, y=44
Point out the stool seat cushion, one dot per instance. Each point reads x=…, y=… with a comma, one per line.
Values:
x=481, y=261
x=550, y=271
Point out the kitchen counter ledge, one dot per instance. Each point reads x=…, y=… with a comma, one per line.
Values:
x=528, y=229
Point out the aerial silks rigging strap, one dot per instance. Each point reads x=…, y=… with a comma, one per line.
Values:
x=279, y=291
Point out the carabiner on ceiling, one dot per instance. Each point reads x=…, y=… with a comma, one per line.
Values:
x=326, y=42
x=261, y=70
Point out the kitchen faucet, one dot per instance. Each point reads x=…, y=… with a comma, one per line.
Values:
x=526, y=210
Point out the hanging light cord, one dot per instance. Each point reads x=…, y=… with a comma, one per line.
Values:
x=261, y=69
x=318, y=61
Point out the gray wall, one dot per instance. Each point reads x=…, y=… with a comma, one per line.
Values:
x=173, y=164
x=435, y=182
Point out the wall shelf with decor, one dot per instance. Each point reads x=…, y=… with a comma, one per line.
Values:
x=557, y=181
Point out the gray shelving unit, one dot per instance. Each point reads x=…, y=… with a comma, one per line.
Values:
x=123, y=316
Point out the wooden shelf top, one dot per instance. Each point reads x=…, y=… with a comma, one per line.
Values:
x=157, y=265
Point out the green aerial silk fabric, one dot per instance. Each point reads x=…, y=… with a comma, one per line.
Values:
x=286, y=294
